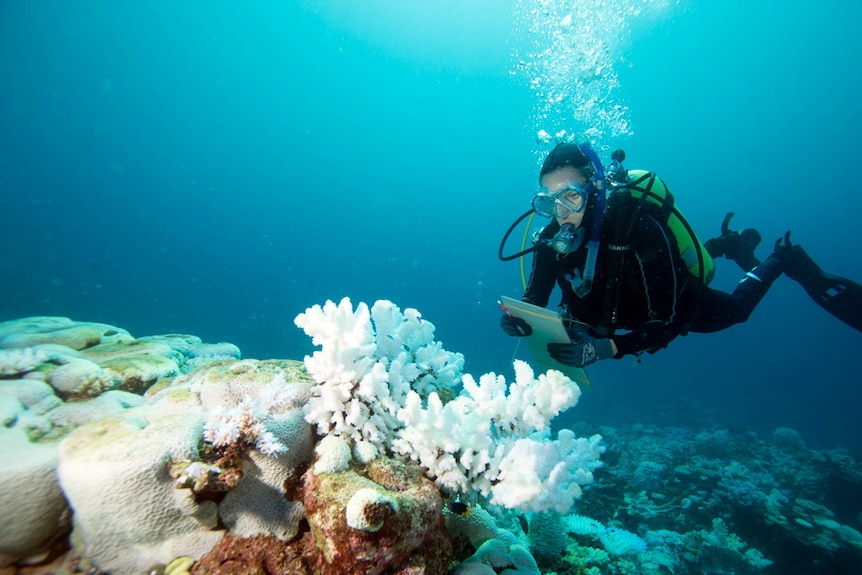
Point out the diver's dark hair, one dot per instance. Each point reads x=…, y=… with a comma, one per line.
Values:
x=566, y=154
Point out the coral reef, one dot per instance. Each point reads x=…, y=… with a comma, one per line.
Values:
x=686, y=501
x=64, y=415
x=169, y=427
x=256, y=555
x=489, y=547
x=170, y=456
x=383, y=517
x=384, y=381
x=192, y=463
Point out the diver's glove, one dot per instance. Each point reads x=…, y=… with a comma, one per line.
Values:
x=736, y=246
x=583, y=350
x=515, y=326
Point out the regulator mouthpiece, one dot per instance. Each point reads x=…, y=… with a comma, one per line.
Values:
x=568, y=239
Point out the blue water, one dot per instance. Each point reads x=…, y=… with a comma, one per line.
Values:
x=215, y=168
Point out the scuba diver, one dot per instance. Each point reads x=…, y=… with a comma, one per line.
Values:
x=632, y=272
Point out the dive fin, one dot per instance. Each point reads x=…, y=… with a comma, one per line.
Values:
x=838, y=295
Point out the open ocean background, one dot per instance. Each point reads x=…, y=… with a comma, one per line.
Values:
x=217, y=167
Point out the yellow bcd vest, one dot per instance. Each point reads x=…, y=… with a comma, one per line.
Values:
x=649, y=187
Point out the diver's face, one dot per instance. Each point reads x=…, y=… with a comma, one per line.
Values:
x=560, y=179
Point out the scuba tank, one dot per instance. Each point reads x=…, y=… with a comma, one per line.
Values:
x=648, y=187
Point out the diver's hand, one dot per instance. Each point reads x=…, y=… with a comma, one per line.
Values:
x=583, y=350
x=515, y=326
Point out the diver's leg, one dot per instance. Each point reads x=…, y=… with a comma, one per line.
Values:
x=720, y=310
x=838, y=295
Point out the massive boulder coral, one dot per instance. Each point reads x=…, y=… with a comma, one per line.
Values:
x=38, y=330
x=82, y=360
x=128, y=514
x=494, y=548
x=32, y=421
x=34, y=510
x=383, y=517
x=137, y=482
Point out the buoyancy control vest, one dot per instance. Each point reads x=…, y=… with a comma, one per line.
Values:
x=647, y=187
x=642, y=190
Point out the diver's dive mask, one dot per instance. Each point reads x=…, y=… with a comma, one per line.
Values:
x=571, y=199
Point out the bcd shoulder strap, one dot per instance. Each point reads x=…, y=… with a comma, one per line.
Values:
x=623, y=211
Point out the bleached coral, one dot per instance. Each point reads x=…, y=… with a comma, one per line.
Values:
x=614, y=540
x=382, y=379
x=202, y=354
x=497, y=549
x=81, y=378
x=34, y=509
x=333, y=455
x=537, y=474
x=479, y=441
x=368, y=362
x=367, y=508
x=22, y=360
x=247, y=421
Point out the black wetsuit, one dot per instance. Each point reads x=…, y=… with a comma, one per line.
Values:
x=658, y=298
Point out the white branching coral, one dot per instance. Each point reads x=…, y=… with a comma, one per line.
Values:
x=495, y=439
x=246, y=421
x=368, y=362
x=383, y=380
x=536, y=474
x=527, y=405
